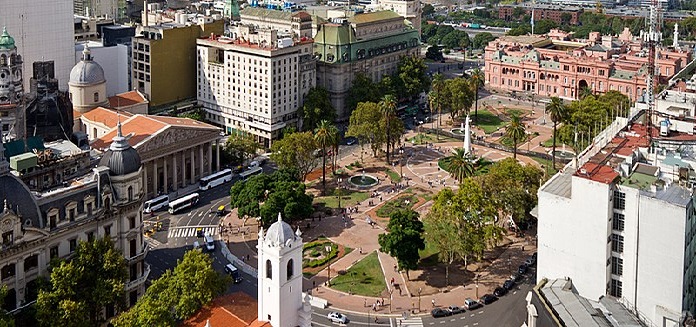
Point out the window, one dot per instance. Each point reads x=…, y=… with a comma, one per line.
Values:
x=289, y=269
x=31, y=262
x=616, y=286
x=130, y=193
x=618, y=222
x=8, y=238
x=71, y=214
x=269, y=269
x=131, y=222
x=616, y=266
x=617, y=243
x=73, y=245
x=53, y=252
x=96, y=96
x=133, y=248
x=107, y=230
x=619, y=200
x=8, y=271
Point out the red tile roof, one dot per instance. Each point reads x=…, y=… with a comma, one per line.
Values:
x=126, y=99
x=233, y=310
x=108, y=117
x=141, y=126
x=181, y=122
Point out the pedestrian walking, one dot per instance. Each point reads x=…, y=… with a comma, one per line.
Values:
x=395, y=268
x=365, y=305
x=433, y=301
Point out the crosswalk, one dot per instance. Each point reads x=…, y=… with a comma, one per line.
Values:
x=410, y=322
x=190, y=231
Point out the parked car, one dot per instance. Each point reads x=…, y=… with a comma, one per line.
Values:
x=471, y=304
x=509, y=284
x=351, y=140
x=455, y=309
x=530, y=261
x=516, y=277
x=337, y=317
x=488, y=299
x=439, y=312
x=500, y=291
x=522, y=269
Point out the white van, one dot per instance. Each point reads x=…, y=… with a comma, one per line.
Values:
x=209, y=243
x=233, y=272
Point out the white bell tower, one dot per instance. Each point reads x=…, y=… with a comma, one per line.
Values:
x=280, y=275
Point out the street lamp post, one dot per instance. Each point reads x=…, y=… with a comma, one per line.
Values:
x=419, y=298
x=477, y=280
x=328, y=270
x=391, y=298
x=339, y=190
x=401, y=164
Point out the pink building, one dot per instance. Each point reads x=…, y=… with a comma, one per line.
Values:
x=553, y=65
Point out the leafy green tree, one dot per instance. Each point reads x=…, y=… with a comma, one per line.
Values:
x=442, y=230
x=459, y=165
x=363, y=126
x=437, y=95
x=459, y=95
x=317, y=107
x=412, y=75
x=511, y=187
x=520, y=30
x=585, y=92
x=544, y=26
x=363, y=89
x=428, y=10
x=196, y=114
x=324, y=135
x=82, y=287
x=404, y=239
x=515, y=131
x=290, y=199
x=565, y=18
x=176, y=295
x=6, y=319
x=481, y=40
x=427, y=31
x=434, y=53
x=557, y=112
x=240, y=147
x=295, y=151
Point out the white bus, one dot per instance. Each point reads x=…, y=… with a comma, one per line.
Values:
x=216, y=179
x=250, y=172
x=183, y=203
x=155, y=204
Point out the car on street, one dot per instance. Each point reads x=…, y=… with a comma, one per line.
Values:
x=471, y=304
x=199, y=232
x=488, y=299
x=530, y=261
x=337, y=317
x=231, y=270
x=455, y=309
x=509, y=284
x=522, y=269
x=500, y=291
x=440, y=312
x=516, y=277
x=351, y=140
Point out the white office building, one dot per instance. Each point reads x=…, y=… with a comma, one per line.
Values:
x=255, y=81
x=43, y=31
x=623, y=223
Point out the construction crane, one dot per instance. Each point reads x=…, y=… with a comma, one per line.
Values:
x=652, y=39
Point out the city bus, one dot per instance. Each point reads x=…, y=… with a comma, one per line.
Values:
x=250, y=172
x=156, y=204
x=216, y=179
x=183, y=203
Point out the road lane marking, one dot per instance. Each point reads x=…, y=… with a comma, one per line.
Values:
x=190, y=231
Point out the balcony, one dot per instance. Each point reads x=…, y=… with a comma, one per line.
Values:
x=141, y=255
x=138, y=281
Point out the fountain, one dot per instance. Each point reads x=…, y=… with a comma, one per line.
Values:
x=363, y=180
x=563, y=153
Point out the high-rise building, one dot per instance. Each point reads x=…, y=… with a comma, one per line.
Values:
x=623, y=224
x=115, y=9
x=43, y=31
x=370, y=43
x=164, y=59
x=255, y=81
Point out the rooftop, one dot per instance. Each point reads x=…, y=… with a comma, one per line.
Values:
x=126, y=99
x=107, y=117
x=233, y=310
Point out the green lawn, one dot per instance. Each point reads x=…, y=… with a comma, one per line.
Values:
x=428, y=256
x=348, y=198
x=549, y=143
x=396, y=204
x=394, y=176
x=547, y=166
x=431, y=138
x=364, y=278
x=488, y=122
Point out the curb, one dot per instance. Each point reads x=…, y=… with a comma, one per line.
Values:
x=238, y=263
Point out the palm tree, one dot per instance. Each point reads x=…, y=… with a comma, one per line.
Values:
x=515, y=131
x=585, y=92
x=323, y=136
x=557, y=112
x=459, y=165
x=477, y=81
x=437, y=86
x=388, y=108
x=335, y=141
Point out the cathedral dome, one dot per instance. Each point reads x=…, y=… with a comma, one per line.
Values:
x=87, y=71
x=121, y=158
x=279, y=233
x=6, y=41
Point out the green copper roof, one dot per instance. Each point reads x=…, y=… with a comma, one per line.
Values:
x=6, y=41
x=337, y=44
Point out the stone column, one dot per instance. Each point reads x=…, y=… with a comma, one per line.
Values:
x=183, y=168
x=155, y=177
x=193, y=167
x=166, y=175
x=175, y=178
x=200, y=160
x=144, y=182
x=217, y=154
x=209, y=148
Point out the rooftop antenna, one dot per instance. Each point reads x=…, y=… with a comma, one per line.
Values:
x=652, y=40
